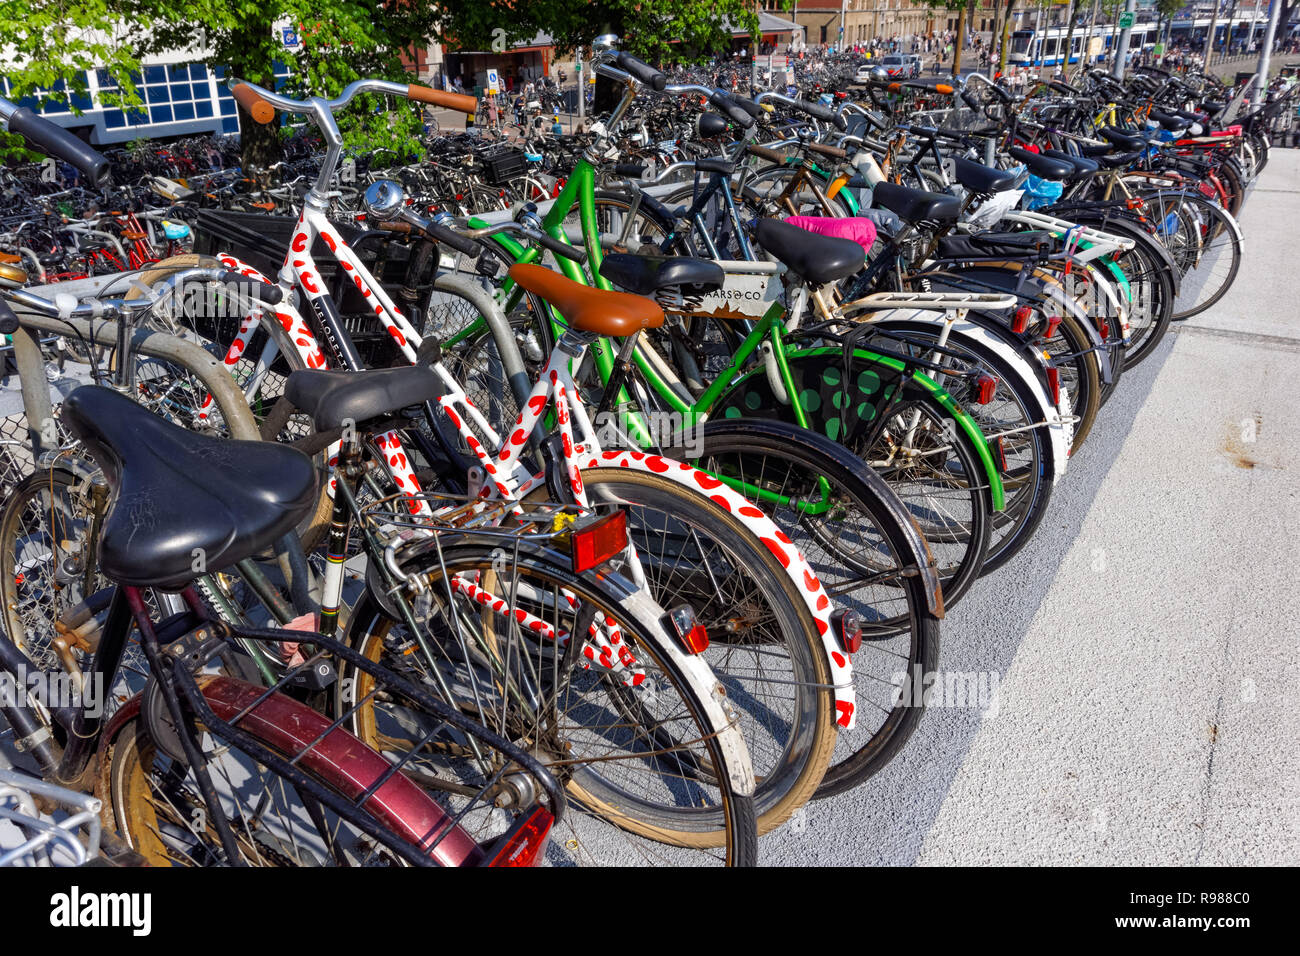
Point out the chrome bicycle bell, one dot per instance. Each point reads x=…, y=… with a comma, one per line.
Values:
x=384, y=200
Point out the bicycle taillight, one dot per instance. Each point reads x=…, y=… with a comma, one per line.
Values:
x=525, y=842
x=599, y=541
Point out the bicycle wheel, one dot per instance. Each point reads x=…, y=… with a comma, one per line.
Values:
x=1213, y=269
x=764, y=644
x=154, y=801
x=635, y=751
x=1015, y=421
x=856, y=535
x=901, y=430
x=48, y=569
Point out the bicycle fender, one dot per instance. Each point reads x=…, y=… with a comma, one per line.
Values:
x=821, y=445
x=777, y=541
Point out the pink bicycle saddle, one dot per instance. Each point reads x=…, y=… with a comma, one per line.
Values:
x=861, y=231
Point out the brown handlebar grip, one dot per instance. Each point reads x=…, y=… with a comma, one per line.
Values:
x=771, y=155
x=259, y=109
x=453, y=101
x=833, y=151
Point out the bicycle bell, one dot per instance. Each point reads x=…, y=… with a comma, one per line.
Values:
x=384, y=200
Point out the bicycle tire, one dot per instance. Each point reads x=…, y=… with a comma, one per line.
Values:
x=688, y=826
x=790, y=759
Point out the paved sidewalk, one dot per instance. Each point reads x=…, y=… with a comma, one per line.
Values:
x=1145, y=640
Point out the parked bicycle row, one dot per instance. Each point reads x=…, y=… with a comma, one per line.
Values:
x=601, y=530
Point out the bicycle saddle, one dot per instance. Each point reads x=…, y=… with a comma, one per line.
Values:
x=1083, y=167
x=1119, y=160
x=1170, y=121
x=1044, y=167
x=179, y=496
x=982, y=179
x=916, y=205
x=984, y=245
x=858, y=228
x=646, y=275
x=588, y=309
x=332, y=398
x=716, y=164
x=818, y=259
x=1121, y=139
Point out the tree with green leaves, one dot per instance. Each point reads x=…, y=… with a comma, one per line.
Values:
x=47, y=41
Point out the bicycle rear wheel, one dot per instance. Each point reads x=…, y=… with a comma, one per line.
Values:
x=633, y=749
x=856, y=535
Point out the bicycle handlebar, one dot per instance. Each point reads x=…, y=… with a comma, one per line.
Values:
x=46, y=137
x=102, y=308
x=261, y=104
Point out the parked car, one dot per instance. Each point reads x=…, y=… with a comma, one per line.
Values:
x=897, y=67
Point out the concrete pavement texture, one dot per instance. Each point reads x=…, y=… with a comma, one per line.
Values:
x=1143, y=643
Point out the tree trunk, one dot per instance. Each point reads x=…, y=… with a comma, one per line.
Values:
x=259, y=146
x=961, y=35
x=1006, y=33
x=1069, y=39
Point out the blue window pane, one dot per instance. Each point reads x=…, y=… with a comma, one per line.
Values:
x=198, y=71
x=179, y=72
x=81, y=101
x=155, y=74
x=228, y=106
x=230, y=125
x=219, y=72
x=204, y=107
x=180, y=91
x=183, y=111
x=160, y=114
x=157, y=94
x=114, y=119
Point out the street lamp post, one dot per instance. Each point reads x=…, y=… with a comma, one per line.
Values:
x=1121, y=51
x=1261, y=71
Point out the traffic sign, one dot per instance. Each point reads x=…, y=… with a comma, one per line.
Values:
x=1126, y=20
x=493, y=82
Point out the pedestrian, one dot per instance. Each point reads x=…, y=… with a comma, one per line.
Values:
x=556, y=128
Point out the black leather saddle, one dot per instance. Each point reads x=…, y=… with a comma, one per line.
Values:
x=987, y=245
x=1083, y=167
x=1173, y=122
x=715, y=165
x=1121, y=139
x=335, y=398
x=916, y=205
x=646, y=275
x=816, y=258
x=1044, y=167
x=179, y=496
x=982, y=179
x=1119, y=160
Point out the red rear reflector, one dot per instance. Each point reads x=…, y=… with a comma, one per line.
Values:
x=1053, y=323
x=1020, y=321
x=599, y=541
x=1000, y=447
x=985, y=386
x=1054, y=383
x=848, y=630
x=1105, y=329
x=524, y=844
x=690, y=632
